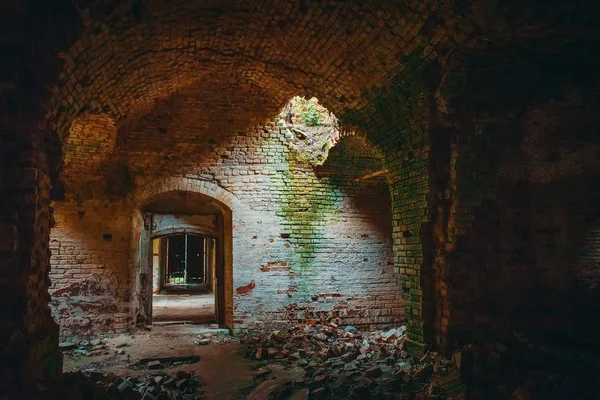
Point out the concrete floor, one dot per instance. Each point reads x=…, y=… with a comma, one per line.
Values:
x=190, y=308
x=225, y=374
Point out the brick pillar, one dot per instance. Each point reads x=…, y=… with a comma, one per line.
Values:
x=28, y=334
x=409, y=185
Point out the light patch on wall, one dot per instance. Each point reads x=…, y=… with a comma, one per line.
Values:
x=91, y=141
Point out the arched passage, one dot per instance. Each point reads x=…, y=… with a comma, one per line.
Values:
x=171, y=222
x=185, y=196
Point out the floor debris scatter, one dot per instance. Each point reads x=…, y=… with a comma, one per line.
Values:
x=316, y=360
x=160, y=386
x=166, y=362
x=221, y=371
x=86, y=348
x=330, y=362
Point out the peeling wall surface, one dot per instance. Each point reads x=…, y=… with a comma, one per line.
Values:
x=90, y=276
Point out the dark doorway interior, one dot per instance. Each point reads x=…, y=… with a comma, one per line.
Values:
x=175, y=267
x=196, y=257
x=184, y=267
x=186, y=261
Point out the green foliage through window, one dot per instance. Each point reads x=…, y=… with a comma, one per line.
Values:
x=312, y=116
x=309, y=112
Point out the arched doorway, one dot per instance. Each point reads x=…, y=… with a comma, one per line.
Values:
x=184, y=253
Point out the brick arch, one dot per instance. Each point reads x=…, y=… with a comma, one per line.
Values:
x=229, y=205
x=184, y=184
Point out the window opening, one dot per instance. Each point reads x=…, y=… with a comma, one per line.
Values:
x=186, y=260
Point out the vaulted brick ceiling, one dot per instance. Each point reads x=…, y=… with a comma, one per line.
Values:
x=133, y=54
x=235, y=63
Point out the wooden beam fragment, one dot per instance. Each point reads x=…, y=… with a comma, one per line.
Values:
x=371, y=175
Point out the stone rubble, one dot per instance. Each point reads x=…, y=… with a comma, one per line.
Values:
x=163, y=362
x=342, y=363
x=93, y=385
x=88, y=348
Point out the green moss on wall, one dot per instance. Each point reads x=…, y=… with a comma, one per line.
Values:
x=306, y=204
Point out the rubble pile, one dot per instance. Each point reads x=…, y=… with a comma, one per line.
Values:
x=163, y=362
x=159, y=386
x=214, y=338
x=94, y=347
x=346, y=363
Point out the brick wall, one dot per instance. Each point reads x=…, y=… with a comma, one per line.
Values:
x=30, y=159
x=330, y=251
x=409, y=182
x=29, y=336
x=399, y=127
x=565, y=222
x=272, y=51
x=519, y=246
x=90, y=280
x=308, y=240
x=565, y=162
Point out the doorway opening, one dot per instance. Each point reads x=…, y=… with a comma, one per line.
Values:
x=185, y=259
x=184, y=278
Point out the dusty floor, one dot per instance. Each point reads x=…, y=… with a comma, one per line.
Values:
x=191, y=308
x=313, y=361
x=222, y=370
